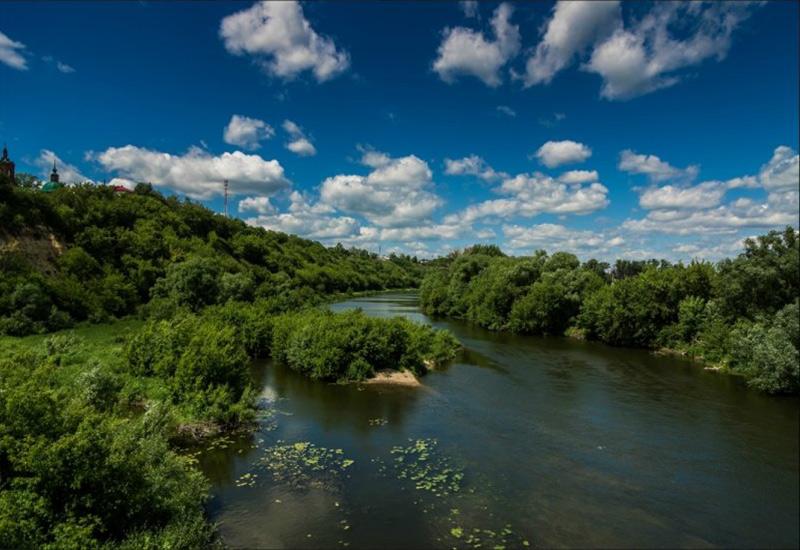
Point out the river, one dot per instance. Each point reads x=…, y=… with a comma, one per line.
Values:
x=560, y=443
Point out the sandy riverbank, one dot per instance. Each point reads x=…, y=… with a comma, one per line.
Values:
x=394, y=378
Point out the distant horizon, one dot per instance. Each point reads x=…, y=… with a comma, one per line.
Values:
x=646, y=131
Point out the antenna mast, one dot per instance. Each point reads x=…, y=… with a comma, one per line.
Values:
x=226, y=198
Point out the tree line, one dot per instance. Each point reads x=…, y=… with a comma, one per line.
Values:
x=740, y=314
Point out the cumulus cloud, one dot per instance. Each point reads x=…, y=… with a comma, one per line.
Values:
x=579, y=176
x=68, y=173
x=647, y=57
x=247, y=132
x=556, y=153
x=574, y=26
x=704, y=195
x=282, y=41
x=298, y=143
x=698, y=209
x=396, y=192
x=710, y=251
x=551, y=236
x=260, y=205
x=11, y=53
x=782, y=171
x=313, y=221
x=472, y=165
x=653, y=167
x=466, y=52
x=533, y=194
x=196, y=173
x=729, y=218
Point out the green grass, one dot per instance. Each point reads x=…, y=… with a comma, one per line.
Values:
x=104, y=343
x=86, y=346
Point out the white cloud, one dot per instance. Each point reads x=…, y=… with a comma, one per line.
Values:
x=506, y=110
x=534, y=194
x=281, y=39
x=555, y=237
x=646, y=57
x=68, y=173
x=704, y=195
x=260, y=205
x=575, y=26
x=710, y=251
x=472, y=165
x=311, y=221
x=653, y=167
x=556, y=153
x=60, y=66
x=687, y=210
x=465, y=51
x=395, y=193
x=469, y=7
x=11, y=53
x=782, y=171
x=298, y=143
x=540, y=193
x=64, y=68
x=195, y=173
x=579, y=176
x=743, y=213
x=247, y=132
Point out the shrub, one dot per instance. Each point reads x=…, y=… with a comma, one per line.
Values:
x=352, y=346
x=767, y=354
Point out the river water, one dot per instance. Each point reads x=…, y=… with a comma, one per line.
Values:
x=560, y=443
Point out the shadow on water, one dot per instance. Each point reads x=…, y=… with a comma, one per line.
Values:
x=561, y=442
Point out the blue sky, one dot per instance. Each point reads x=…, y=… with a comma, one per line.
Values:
x=633, y=130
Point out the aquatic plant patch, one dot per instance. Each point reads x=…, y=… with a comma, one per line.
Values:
x=429, y=470
x=303, y=464
x=378, y=421
x=461, y=534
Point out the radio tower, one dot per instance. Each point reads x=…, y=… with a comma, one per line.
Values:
x=226, y=198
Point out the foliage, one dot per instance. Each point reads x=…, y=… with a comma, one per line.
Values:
x=202, y=361
x=734, y=313
x=86, y=253
x=74, y=476
x=767, y=352
x=351, y=346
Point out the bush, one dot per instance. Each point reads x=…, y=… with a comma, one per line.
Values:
x=351, y=346
x=767, y=354
x=202, y=360
x=76, y=477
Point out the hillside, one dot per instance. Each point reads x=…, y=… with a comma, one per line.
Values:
x=88, y=253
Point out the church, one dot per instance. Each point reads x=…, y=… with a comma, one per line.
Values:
x=7, y=166
x=54, y=182
x=7, y=169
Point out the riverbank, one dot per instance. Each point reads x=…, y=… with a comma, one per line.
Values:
x=393, y=378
